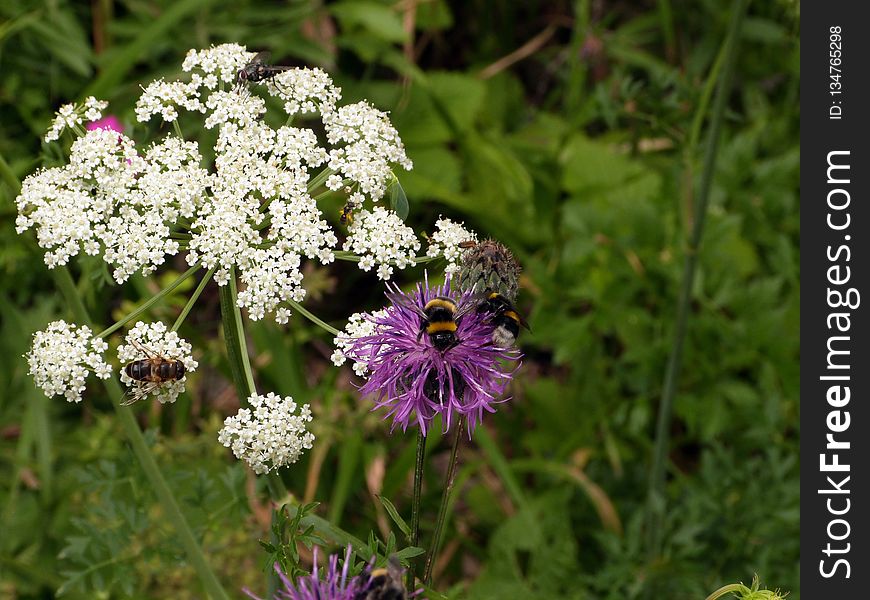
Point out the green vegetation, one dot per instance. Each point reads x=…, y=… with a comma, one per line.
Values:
x=575, y=133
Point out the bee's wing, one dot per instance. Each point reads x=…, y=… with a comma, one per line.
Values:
x=147, y=351
x=136, y=393
x=400, y=299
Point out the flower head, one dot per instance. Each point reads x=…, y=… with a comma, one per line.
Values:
x=72, y=115
x=490, y=266
x=63, y=356
x=146, y=341
x=445, y=242
x=270, y=434
x=381, y=238
x=252, y=210
x=337, y=585
x=415, y=380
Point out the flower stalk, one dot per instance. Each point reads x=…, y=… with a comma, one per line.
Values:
x=415, y=501
x=445, y=501
x=143, y=454
x=656, y=503
x=243, y=377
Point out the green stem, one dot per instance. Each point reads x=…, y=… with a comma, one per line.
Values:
x=415, y=501
x=351, y=257
x=656, y=501
x=243, y=377
x=196, y=294
x=319, y=179
x=151, y=302
x=140, y=448
x=445, y=500
x=725, y=589
x=234, y=338
x=311, y=317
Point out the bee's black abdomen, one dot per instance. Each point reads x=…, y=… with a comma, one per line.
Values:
x=138, y=369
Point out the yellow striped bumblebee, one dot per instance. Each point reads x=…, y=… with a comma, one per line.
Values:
x=384, y=583
x=438, y=319
x=152, y=371
x=505, y=317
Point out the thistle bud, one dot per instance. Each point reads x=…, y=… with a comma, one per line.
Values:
x=489, y=265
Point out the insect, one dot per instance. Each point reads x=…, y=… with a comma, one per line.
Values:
x=467, y=244
x=505, y=317
x=150, y=373
x=346, y=214
x=438, y=318
x=257, y=70
x=384, y=584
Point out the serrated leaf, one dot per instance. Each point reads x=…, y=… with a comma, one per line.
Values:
x=409, y=552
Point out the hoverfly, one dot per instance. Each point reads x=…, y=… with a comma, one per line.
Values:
x=149, y=373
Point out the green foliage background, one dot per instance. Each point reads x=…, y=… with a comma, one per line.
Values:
x=569, y=131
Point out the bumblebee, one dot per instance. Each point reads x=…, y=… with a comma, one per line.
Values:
x=384, y=584
x=438, y=319
x=150, y=373
x=505, y=317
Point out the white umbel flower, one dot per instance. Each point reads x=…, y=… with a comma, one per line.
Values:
x=270, y=434
x=305, y=91
x=445, y=242
x=72, y=115
x=62, y=357
x=153, y=340
x=358, y=325
x=369, y=145
x=383, y=240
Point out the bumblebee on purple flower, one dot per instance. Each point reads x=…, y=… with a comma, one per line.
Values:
x=438, y=351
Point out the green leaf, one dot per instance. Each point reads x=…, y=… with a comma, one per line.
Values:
x=394, y=514
x=398, y=199
x=381, y=20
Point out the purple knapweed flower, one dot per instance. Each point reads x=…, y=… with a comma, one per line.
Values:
x=415, y=380
x=335, y=586
x=108, y=122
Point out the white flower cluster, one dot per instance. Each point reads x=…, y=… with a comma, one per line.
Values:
x=72, y=115
x=153, y=341
x=62, y=357
x=305, y=91
x=381, y=238
x=254, y=212
x=358, y=325
x=371, y=145
x=270, y=434
x=445, y=242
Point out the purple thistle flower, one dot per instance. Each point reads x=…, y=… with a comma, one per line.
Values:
x=335, y=586
x=414, y=380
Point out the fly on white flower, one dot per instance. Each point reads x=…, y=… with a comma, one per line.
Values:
x=157, y=363
x=253, y=211
x=449, y=240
